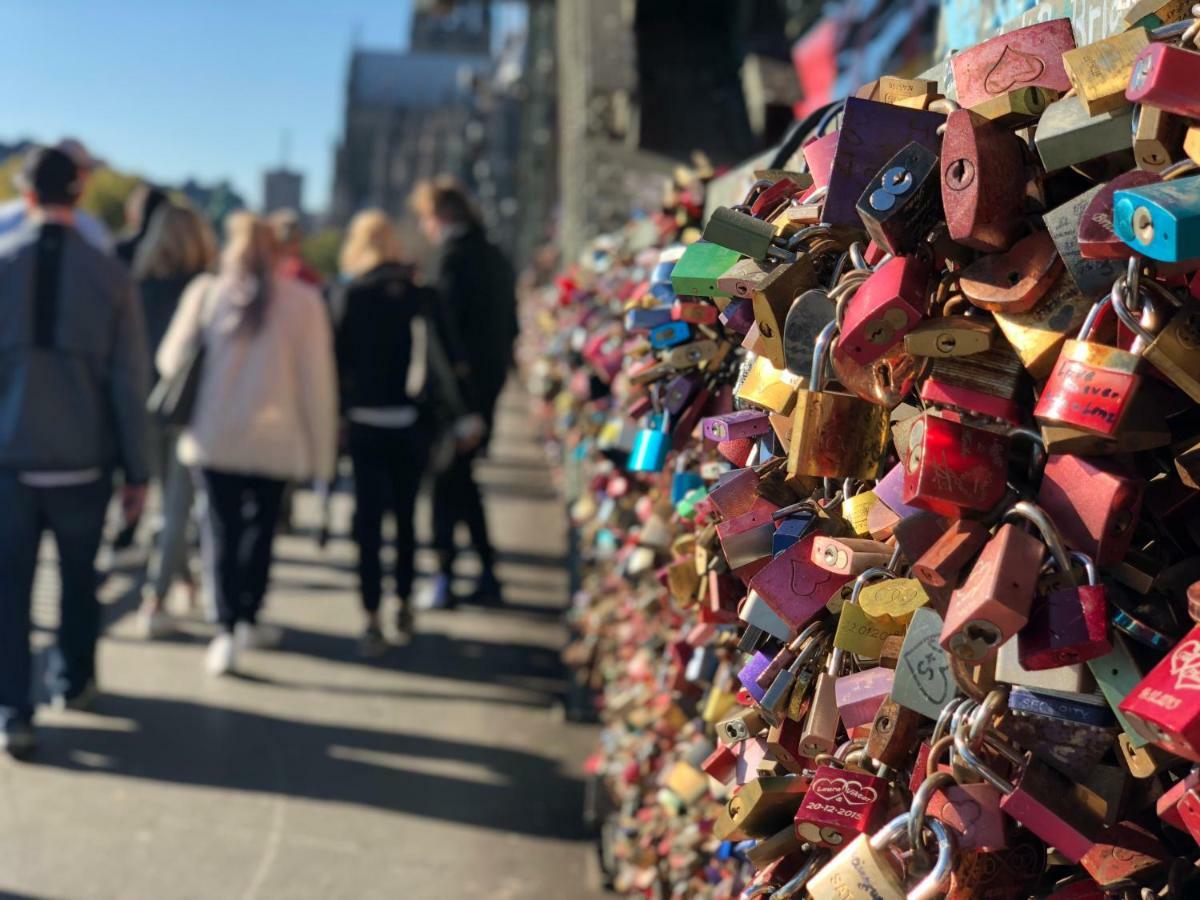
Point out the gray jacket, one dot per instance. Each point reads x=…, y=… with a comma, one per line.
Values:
x=74, y=369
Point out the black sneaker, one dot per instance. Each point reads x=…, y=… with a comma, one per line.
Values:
x=372, y=645
x=488, y=592
x=79, y=701
x=18, y=740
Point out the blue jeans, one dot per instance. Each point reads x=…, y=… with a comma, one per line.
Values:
x=75, y=516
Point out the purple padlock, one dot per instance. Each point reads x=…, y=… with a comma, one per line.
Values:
x=746, y=423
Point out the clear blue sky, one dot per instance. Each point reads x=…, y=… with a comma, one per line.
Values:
x=172, y=88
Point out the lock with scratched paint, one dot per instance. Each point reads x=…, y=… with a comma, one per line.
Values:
x=952, y=467
x=889, y=304
x=1025, y=57
x=983, y=180
x=1160, y=220
x=1092, y=386
x=903, y=204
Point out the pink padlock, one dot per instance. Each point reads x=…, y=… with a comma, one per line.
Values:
x=1163, y=707
x=859, y=695
x=887, y=306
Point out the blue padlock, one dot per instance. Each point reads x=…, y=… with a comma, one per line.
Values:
x=683, y=483
x=651, y=446
x=646, y=319
x=670, y=335
x=1160, y=221
x=792, y=530
x=661, y=273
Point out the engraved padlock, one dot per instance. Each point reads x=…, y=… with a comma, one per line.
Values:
x=863, y=868
x=952, y=466
x=840, y=805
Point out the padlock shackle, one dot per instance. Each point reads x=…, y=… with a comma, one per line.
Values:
x=931, y=885
x=1121, y=298
x=943, y=720
x=755, y=189
x=920, y=806
x=963, y=748
x=870, y=576
x=1031, y=512
x=1089, y=566
x=817, y=375
x=816, y=860
x=805, y=233
x=1093, y=317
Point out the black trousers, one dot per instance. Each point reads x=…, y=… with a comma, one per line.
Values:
x=456, y=498
x=75, y=516
x=389, y=464
x=243, y=512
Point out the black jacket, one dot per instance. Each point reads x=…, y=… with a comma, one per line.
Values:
x=479, y=290
x=376, y=343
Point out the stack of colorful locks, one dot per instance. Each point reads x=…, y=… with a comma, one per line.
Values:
x=896, y=576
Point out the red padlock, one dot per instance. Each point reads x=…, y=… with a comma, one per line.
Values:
x=1166, y=78
x=952, y=466
x=1098, y=520
x=1092, y=386
x=1027, y=57
x=983, y=180
x=1068, y=626
x=1163, y=708
x=794, y=586
x=840, y=805
x=886, y=306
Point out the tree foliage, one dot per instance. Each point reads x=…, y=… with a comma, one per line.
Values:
x=104, y=196
x=321, y=251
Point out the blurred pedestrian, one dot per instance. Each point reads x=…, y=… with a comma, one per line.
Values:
x=13, y=213
x=398, y=386
x=73, y=383
x=140, y=206
x=289, y=233
x=265, y=413
x=177, y=246
x=478, y=287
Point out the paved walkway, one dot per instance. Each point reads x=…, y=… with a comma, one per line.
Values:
x=442, y=771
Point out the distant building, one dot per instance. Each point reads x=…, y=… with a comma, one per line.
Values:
x=444, y=105
x=216, y=200
x=282, y=189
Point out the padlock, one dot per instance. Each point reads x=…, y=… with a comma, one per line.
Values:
x=923, y=682
x=1100, y=72
x=993, y=603
x=794, y=587
x=773, y=298
x=985, y=384
x=860, y=694
x=856, y=506
x=982, y=182
x=1067, y=626
x=970, y=811
x=1158, y=138
x=646, y=319
x=651, y=445
x=1009, y=874
x=1016, y=108
x=1173, y=350
x=950, y=336
x=672, y=334
x=952, y=467
x=735, y=230
x=839, y=806
x=735, y=492
x=746, y=423
x=777, y=194
x=1091, y=387
x=1092, y=277
x=1154, y=13
x=1067, y=733
x=693, y=312
x=821, y=723
x=769, y=388
x=1126, y=856
x=1025, y=57
x=940, y=567
x=1165, y=76
x=1095, y=504
x=698, y=269
x=1038, y=800
x=863, y=869
x=1162, y=707
x=1097, y=239
x=858, y=633
x=886, y=306
x=1067, y=136
x=849, y=556
x=870, y=135
x=890, y=89
x=760, y=808
x=835, y=435
x=893, y=602
x=1014, y=281
x=1161, y=220
x=743, y=278
x=893, y=734
x=809, y=314
x=904, y=201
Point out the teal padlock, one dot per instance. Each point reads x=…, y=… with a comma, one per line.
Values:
x=1160, y=221
x=651, y=445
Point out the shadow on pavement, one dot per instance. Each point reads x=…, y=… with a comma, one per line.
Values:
x=188, y=743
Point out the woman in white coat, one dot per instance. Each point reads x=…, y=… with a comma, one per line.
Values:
x=265, y=414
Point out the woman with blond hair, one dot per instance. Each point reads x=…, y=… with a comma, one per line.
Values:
x=265, y=413
x=395, y=369
x=177, y=245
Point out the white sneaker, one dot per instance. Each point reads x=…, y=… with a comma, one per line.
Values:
x=222, y=654
x=155, y=624
x=261, y=636
x=436, y=594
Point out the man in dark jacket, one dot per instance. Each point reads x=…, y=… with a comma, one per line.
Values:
x=478, y=289
x=73, y=384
